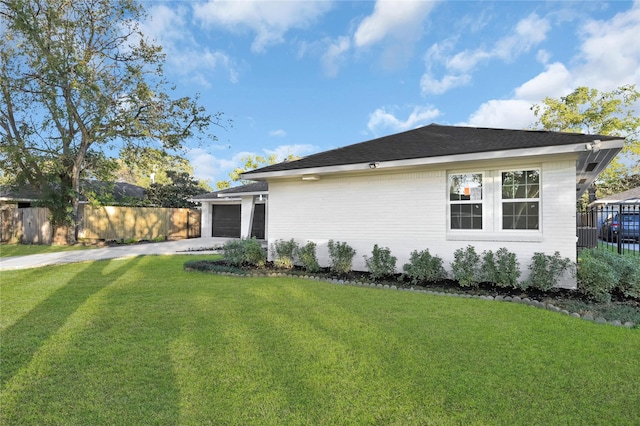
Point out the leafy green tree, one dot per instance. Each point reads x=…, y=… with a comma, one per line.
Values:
x=177, y=192
x=78, y=78
x=612, y=113
x=143, y=166
x=250, y=162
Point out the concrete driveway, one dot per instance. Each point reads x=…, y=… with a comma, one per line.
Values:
x=190, y=246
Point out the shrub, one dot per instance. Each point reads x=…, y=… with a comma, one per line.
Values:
x=233, y=252
x=245, y=251
x=381, y=264
x=307, y=257
x=597, y=275
x=284, y=253
x=629, y=283
x=601, y=271
x=546, y=270
x=423, y=267
x=341, y=255
x=466, y=267
x=501, y=268
x=254, y=254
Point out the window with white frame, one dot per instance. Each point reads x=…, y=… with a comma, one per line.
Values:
x=520, y=191
x=466, y=201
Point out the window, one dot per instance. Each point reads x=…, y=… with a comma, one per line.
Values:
x=465, y=200
x=521, y=199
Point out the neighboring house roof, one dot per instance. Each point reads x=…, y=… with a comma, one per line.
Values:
x=441, y=144
x=255, y=188
x=120, y=191
x=631, y=196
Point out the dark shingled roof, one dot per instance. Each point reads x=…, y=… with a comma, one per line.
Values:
x=251, y=187
x=120, y=191
x=433, y=140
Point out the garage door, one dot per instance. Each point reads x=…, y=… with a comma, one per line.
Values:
x=226, y=221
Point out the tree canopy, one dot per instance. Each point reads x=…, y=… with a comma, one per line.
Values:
x=78, y=79
x=251, y=162
x=611, y=113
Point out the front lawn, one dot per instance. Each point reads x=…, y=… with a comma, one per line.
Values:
x=140, y=341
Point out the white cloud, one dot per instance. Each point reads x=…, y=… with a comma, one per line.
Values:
x=431, y=85
x=391, y=18
x=458, y=67
x=278, y=133
x=610, y=53
x=506, y=114
x=543, y=56
x=382, y=121
x=214, y=168
x=185, y=56
x=396, y=25
x=555, y=79
x=209, y=167
x=529, y=32
x=269, y=20
x=609, y=57
x=298, y=150
x=334, y=56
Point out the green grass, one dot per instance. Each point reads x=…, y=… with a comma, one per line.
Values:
x=140, y=341
x=7, y=250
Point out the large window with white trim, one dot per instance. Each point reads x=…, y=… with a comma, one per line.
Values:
x=520, y=191
x=466, y=201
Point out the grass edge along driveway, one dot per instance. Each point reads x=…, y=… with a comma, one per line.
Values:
x=140, y=341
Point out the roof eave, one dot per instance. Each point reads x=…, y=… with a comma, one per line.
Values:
x=446, y=159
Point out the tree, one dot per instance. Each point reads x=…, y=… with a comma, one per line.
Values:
x=145, y=165
x=77, y=78
x=251, y=162
x=605, y=113
x=177, y=192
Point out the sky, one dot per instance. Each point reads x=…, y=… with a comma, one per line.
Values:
x=300, y=77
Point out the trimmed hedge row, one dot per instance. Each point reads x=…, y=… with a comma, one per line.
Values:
x=600, y=273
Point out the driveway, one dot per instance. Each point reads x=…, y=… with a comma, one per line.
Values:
x=190, y=246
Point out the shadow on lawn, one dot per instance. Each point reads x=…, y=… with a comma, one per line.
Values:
x=22, y=340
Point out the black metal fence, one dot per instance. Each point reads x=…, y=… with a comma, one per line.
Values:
x=614, y=227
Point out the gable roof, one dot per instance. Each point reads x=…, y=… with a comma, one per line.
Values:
x=255, y=188
x=431, y=141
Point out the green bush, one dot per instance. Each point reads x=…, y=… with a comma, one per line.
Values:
x=284, y=253
x=601, y=271
x=341, y=255
x=244, y=252
x=466, y=267
x=629, y=283
x=423, y=267
x=254, y=254
x=381, y=264
x=597, y=275
x=501, y=268
x=546, y=270
x=307, y=257
x=233, y=252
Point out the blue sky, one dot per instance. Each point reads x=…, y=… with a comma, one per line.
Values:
x=301, y=77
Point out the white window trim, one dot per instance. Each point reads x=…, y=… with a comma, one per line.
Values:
x=492, y=209
x=500, y=201
x=482, y=201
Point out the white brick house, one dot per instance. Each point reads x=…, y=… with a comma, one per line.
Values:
x=439, y=188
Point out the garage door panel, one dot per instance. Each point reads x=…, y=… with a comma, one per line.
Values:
x=226, y=221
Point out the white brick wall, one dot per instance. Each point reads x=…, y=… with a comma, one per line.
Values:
x=407, y=211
